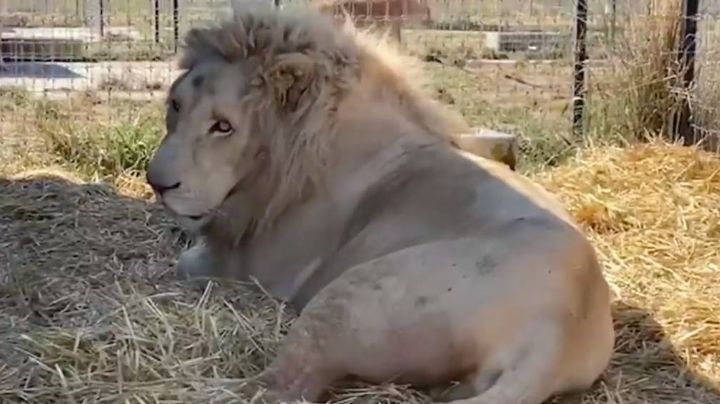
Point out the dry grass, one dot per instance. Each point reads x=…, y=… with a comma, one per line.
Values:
x=654, y=214
x=101, y=134
x=90, y=312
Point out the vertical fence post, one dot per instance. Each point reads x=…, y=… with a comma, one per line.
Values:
x=156, y=20
x=613, y=20
x=101, y=4
x=3, y=10
x=581, y=56
x=176, y=24
x=682, y=127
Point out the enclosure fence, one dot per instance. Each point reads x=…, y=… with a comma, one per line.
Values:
x=523, y=66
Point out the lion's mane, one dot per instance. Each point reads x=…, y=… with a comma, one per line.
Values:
x=347, y=62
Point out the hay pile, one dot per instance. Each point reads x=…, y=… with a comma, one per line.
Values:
x=90, y=313
x=653, y=212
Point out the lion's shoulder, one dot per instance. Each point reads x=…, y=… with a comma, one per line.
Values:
x=451, y=189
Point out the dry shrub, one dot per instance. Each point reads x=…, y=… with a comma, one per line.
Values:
x=634, y=90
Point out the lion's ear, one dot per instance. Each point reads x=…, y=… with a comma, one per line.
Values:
x=289, y=76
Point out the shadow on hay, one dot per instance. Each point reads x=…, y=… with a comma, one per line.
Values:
x=87, y=286
x=58, y=237
x=646, y=367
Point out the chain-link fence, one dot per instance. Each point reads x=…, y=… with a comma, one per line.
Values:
x=653, y=68
x=707, y=111
x=505, y=64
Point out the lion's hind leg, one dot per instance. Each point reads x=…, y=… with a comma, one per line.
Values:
x=288, y=380
x=306, y=363
x=463, y=389
x=524, y=373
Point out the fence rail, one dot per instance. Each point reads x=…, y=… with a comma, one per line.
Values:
x=560, y=52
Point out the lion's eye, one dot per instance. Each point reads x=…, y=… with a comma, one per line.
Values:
x=221, y=127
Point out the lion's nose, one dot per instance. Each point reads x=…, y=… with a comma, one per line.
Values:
x=158, y=186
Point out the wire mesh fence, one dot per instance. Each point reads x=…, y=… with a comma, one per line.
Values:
x=707, y=113
x=505, y=64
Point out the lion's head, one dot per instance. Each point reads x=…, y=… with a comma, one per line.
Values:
x=255, y=110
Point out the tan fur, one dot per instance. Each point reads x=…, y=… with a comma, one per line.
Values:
x=309, y=158
x=338, y=60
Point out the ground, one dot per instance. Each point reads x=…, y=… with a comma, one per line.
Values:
x=90, y=311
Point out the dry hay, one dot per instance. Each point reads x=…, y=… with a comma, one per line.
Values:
x=90, y=313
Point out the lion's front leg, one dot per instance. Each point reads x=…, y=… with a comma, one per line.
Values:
x=198, y=264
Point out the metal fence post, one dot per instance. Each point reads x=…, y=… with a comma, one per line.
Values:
x=101, y=4
x=156, y=19
x=176, y=24
x=581, y=56
x=613, y=20
x=682, y=127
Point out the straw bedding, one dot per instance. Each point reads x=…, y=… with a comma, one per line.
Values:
x=90, y=312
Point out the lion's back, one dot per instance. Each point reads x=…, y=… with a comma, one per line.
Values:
x=441, y=194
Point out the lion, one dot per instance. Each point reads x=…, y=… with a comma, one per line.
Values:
x=308, y=158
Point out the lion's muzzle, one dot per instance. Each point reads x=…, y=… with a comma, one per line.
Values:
x=158, y=185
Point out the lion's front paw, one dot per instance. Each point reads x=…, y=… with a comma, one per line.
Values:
x=196, y=264
x=455, y=392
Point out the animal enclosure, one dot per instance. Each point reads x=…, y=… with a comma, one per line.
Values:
x=514, y=57
x=90, y=312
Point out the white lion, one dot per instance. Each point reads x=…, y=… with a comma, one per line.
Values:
x=309, y=158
